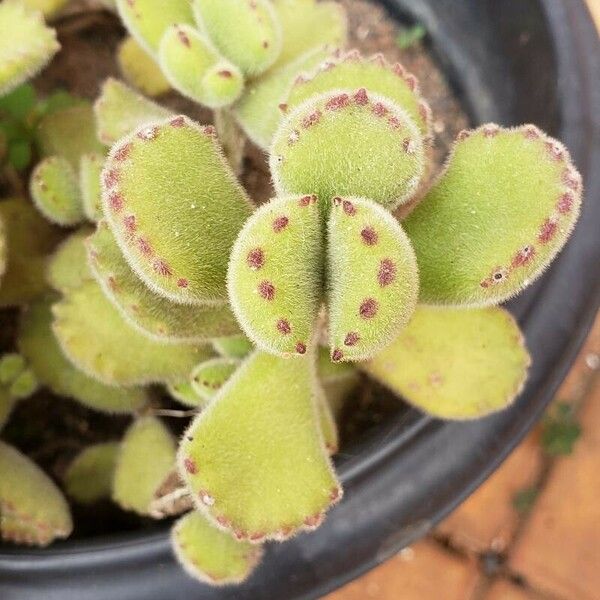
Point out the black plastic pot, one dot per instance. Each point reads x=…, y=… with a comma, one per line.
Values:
x=512, y=62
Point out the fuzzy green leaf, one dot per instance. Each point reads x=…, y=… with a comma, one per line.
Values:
x=258, y=110
x=166, y=187
x=120, y=110
x=69, y=132
x=338, y=380
x=140, y=69
x=112, y=351
x=247, y=33
x=185, y=393
x=33, y=511
x=255, y=460
x=26, y=44
x=147, y=20
x=348, y=143
x=372, y=278
x=68, y=267
x=90, y=169
x=29, y=239
x=153, y=314
x=498, y=216
x=275, y=274
x=11, y=366
x=210, y=376
x=55, y=191
x=455, y=363
x=89, y=476
x=25, y=385
x=234, y=346
x=349, y=70
x=40, y=347
x=137, y=478
x=211, y=555
x=194, y=68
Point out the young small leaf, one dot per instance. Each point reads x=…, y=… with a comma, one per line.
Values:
x=55, y=191
x=89, y=476
x=33, y=511
x=184, y=392
x=233, y=346
x=497, y=217
x=90, y=169
x=211, y=555
x=24, y=385
x=137, y=478
x=140, y=68
x=372, y=278
x=209, y=376
x=275, y=274
x=246, y=33
x=120, y=110
x=455, y=363
x=26, y=45
x=194, y=68
x=166, y=187
x=350, y=143
x=40, y=347
x=153, y=314
x=68, y=267
x=112, y=351
x=255, y=460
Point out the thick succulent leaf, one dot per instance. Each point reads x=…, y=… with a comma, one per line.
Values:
x=211, y=555
x=90, y=168
x=33, y=511
x=68, y=267
x=233, y=346
x=497, y=217
x=175, y=208
x=136, y=477
x=89, y=476
x=140, y=69
x=153, y=314
x=349, y=143
x=110, y=349
x=69, y=133
x=349, y=70
x=275, y=274
x=372, y=278
x=39, y=345
x=338, y=380
x=327, y=423
x=25, y=385
x=455, y=363
x=254, y=460
x=29, y=239
x=210, y=376
x=120, y=110
x=196, y=70
x=26, y=45
x=55, y=191
x=307, y=25
x=147, y=20
x=258, y=110
x=246, y=32
x=185, y=393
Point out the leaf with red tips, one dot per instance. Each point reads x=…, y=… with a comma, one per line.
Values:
x=503, y=209
x=275, y=274
x=455, y=363
x=211, y=555
x=175, y=208
x=373, y=282
x=348, y=143
x=112, y=351
x=26, y=45
x=120, y=110
x=33, y=510
x=246, y=33
x=151, y=313
x=377, y=76
x=145, y=460
x=259, y=465
x=147, y=20
x=39, y=345
x=196, y=70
